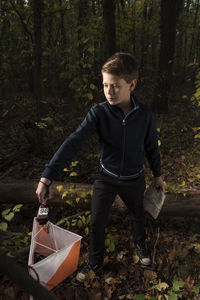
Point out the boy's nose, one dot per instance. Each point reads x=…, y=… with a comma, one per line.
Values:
x=110, y=90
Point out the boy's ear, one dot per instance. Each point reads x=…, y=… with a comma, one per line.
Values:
x=133, y=84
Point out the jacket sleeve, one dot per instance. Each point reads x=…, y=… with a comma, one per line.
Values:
x=151, y=147
x=71, y=145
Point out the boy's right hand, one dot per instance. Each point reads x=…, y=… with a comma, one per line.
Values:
x=42, y=190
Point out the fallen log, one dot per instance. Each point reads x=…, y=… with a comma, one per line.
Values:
x=20, y=276
x=23, y=191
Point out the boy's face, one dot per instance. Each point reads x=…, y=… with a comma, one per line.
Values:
x=116, y=90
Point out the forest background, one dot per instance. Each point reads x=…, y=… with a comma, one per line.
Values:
x=50, y=61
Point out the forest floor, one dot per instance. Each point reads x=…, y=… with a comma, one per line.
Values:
x=174, y=241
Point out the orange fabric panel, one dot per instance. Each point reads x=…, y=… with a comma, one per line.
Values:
x=68, y=266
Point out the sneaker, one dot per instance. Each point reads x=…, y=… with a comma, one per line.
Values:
x=143, y=253
x=81, y=276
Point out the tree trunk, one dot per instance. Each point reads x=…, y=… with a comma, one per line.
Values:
x=194, y=34
x=109, y=27
x=62, y=25
x=49, y=46
x=170, y=11
x=143, y=41
x=83, y=20
x=96, y=43
x=198, y=47
x=37, y=53
x=134, y=27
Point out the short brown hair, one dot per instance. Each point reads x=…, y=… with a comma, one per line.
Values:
x=122, y=65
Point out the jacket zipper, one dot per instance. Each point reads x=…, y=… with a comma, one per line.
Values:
x=123, y=146
x=124, y=141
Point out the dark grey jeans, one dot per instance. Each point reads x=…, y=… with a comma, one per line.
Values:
x=104, y=192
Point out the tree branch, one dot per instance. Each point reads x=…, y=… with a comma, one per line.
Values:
x=22, y=20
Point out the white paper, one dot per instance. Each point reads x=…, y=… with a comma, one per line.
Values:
x=153, y=201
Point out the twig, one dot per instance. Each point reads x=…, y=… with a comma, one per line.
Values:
x=155, y=245
x=10, y=233
x=21, y=252
x=70, y=217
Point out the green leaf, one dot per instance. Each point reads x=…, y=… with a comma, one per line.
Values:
x=177, y=285
x=74, y=163
x=17, y=207
x=92, y=86
x=77, y=199
x=161, y=286
x=3, y=226
x=107, y=243
x=59, y=188
x=86, y=230
x=89, y=96
x=70, y=202
x=64, y=194
x=112, y=246
x=197, y=136
x=139, y=297
x=173, y=297
x=196, y=289
x=79, y=223
x=83, y=194
x=88, y=219
x=73, y=174
x=9, y=217
x=83, y=219
x=5, y=212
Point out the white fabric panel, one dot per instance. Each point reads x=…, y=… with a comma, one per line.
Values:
x=47, y=267
x=59, y=239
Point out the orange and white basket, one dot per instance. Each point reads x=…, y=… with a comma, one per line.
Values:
x=61, y=249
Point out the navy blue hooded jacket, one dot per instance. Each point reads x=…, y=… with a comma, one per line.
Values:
x=125, y=141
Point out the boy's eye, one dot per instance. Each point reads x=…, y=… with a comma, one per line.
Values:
x=112, y=86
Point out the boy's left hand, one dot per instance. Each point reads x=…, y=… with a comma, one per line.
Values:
x=159, y=183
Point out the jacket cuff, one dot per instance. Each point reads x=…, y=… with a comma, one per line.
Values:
x=49, y=173
x=157, y=173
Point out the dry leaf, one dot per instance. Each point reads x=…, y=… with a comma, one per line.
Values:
x=129, y=296
x=10, y=292
x=94, y=295
x=109, y=280
x=106, y=259
x=172, y=255
x=120, y=256
x=149, y=274
x=196, y=248
x=108, y=289
x=189, y=284
x=135, y=259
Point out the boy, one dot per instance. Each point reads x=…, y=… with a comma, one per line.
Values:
x=126, y=134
